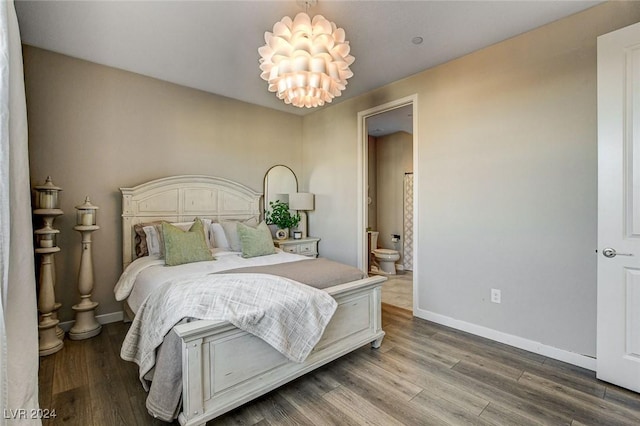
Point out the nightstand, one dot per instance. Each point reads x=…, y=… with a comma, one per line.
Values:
x=304, y=246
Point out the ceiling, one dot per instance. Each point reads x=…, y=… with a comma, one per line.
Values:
x=213, y=45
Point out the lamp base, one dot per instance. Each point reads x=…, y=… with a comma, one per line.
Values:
x=302, y=226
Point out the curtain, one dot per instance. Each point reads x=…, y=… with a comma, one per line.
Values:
x=18, y=310
x=407, y=247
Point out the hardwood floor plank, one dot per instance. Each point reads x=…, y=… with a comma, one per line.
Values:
x=246, y=415
x=622, y=397
x=73, y=407
x=379, y=376
x=112, y=407
x=484, y=385
x=588, y=408
x=526, y=401
x=306, y=397
x=428, y=380
x=454, y=352
x=384, y=397
x=447, y=411
x=398, y=312
x=409, y=343
x=278, y=411
x=491, y=350
x=358, y=409
x=71, y=369
x=589, y=386
x=45, y=381
x=500, y=416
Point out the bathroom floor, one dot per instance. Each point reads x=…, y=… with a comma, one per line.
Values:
x=398, y=290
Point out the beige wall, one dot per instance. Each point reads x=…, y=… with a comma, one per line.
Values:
x=506, y=180
x=394, y=158
x=95, y=129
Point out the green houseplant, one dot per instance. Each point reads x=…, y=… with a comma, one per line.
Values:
x=280, y=215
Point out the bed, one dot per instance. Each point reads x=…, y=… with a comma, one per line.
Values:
x=222, y=366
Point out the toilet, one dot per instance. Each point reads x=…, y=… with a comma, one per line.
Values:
x=385, y=258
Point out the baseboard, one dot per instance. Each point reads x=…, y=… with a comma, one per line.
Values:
x=519, y=342
x=102, y=319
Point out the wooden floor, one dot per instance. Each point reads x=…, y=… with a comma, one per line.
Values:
x=424, y=374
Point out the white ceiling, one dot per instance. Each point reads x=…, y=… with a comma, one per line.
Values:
x=213, y=45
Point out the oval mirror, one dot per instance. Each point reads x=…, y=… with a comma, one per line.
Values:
x=279, y=182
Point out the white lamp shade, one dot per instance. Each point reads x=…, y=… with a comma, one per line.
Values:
x=301, y=201
x=283, y=198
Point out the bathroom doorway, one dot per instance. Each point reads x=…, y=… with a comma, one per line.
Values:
x=388, y=166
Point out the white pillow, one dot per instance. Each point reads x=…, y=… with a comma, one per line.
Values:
x=153, y=235
x=154, y=240
x=225, y=234
x=217, y=237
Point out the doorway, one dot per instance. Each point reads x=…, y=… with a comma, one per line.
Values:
x=388, y=192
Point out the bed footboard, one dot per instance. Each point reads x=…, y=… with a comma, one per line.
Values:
x=223, y=367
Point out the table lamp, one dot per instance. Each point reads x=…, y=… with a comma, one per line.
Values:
x=302, y=202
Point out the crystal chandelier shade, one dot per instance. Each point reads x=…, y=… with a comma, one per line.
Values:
x=306, y=62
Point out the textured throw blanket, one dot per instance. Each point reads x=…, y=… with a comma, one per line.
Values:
x=319, y=273
x=288, y=315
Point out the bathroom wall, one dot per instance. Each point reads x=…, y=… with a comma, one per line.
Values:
x=394, y=158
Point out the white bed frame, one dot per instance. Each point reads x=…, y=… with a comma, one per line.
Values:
x=222, y=366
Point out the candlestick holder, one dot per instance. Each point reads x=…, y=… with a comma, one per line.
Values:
x=85, y=325
x=50, y=334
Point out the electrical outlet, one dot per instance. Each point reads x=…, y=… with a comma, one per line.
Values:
x=495, y=295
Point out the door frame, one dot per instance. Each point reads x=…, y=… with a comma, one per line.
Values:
x=363, y=181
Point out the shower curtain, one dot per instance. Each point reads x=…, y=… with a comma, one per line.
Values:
x=407, y=248
x=18, y=314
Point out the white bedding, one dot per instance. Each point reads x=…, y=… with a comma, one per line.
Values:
x=288, y=315
x=148, y=273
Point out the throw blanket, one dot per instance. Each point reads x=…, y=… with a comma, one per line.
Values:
x=319, y=273
x=288, y=315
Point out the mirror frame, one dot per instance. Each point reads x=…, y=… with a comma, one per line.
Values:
x=265, y=194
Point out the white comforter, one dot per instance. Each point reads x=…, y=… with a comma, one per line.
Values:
x=148, y=273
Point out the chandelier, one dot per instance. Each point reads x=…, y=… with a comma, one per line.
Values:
x=306, y=62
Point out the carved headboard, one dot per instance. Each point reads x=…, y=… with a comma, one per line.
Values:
x=183, y=198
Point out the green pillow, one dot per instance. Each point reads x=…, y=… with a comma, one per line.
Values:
x=255, y=241
x=184, y=246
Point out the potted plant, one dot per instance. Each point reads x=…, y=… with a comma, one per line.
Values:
x=280, y=215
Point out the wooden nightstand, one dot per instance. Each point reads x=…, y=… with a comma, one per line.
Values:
x=304, y=246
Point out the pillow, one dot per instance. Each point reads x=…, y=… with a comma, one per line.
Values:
x=217, y=237
x=153, y=233
x=140, y=241
x=184, y=246
x=255, y=241
x=230, y=228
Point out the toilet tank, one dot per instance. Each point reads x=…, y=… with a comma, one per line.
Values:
x=373, y=240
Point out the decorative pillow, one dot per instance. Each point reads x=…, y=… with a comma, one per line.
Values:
x=153, y=232
x=185, y=246
x=140, y=242
x=255, y=241
x=231, y=232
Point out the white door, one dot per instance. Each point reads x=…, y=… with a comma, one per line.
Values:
x=618, y=347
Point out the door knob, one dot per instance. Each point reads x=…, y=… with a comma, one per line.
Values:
x=611, y=252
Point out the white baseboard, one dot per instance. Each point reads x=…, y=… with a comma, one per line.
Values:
x=519, y=342
x=102, y=319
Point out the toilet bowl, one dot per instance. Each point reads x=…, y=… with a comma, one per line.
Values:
x=385, y=259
